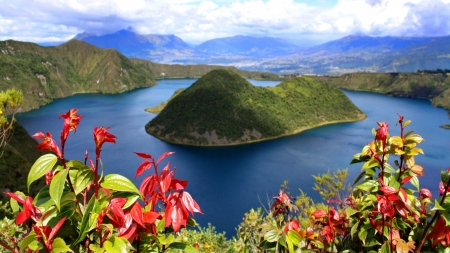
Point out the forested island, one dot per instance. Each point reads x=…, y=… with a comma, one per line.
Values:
x=222, y=108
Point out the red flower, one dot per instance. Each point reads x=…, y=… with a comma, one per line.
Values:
x=71, y=121
x=425, y=193
x=382, y=132
x=29, y=210
x=47, y=144
x=101, y=136
x=293, y=225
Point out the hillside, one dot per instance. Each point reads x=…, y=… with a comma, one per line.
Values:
x=18, y=157
x=435, y=87
x=222, y=108
x=196, y=71
x=46, y=73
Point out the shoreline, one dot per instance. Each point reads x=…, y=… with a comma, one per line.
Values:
x=297, y=131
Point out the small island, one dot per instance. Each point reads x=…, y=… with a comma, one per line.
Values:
x=222, y=108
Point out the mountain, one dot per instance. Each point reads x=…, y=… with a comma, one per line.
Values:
x=222, y=108
x=153, y=47
x=46, y=73
x=360, y=53
x=247, y=46
x=359, y=44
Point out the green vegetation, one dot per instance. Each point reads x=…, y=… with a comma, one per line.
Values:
x=46, y=73
x=197, y=71
x=19, y=154
x=222, y=108
x=160, y=107
x=10, y=100
x=415, y=85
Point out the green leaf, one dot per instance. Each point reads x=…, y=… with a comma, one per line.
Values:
x=350, y=211
x=437, y=206
x=82, y=180
x=57, y=187
x=385, y=248
x=406, y=123
x=354, y=229
x=366, y=185
x=183, y=247
x=32, y=237
x=446, y=217
x=115, y=245
x=294, y=237
x=42, y=165
x=131, y=198
x=60, y=246
x=370, y=164
x=445, y=175
x=87, y=223
x=271, y=236
x=119, y=183
x=362, y=235
x=415, y=182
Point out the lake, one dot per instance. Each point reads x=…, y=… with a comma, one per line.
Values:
x=229, y=181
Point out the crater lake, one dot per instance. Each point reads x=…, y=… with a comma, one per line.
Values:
x=229, y=181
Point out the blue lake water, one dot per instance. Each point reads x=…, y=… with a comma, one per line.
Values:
x=229, y=181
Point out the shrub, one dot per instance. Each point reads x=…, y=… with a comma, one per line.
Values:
x=82, y=210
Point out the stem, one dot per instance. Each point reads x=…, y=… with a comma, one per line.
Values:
x=6, y=246
x=436, y=215
x=96, y=177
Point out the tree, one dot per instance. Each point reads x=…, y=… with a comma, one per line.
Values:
x=10, y=101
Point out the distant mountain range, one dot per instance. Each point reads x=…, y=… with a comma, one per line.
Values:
x=355, y=53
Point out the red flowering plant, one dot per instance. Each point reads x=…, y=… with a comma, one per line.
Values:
x=82, y=210
x=387, y=211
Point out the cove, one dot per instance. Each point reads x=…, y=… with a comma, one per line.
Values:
x=229, y=181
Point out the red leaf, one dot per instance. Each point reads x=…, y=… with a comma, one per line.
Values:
x=56, y=229
x=38, y=135
x=136, y=214
x=148, y=185
x=128, y=232
x=176, y=216
x=22, y=217
x=190, y=204
x=16, y=197
x=178, y=184
x=319, y=214
x=388, y=190
x=404, y=195
x=164, y=156
x=166, y=178
x=145, y=165
x=143, y=155
x=406, y=179
x=150, y=217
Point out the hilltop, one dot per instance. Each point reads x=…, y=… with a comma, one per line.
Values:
x=222, y=108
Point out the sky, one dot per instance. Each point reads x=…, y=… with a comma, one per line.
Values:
x=195, y=21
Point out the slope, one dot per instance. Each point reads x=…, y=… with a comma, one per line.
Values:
x=46, y=73
x=222, y=108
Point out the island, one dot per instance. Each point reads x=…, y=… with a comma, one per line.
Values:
x=222, y=108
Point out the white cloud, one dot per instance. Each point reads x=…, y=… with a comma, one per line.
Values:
x=196, y=21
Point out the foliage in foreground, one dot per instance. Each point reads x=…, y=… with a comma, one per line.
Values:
x=384, y=211
x=82, y=210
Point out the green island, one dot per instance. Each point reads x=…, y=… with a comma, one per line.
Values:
x=222, y=108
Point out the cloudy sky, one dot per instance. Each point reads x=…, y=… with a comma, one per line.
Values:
x=298, y=21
